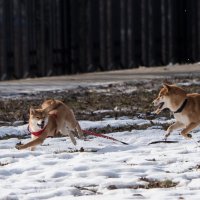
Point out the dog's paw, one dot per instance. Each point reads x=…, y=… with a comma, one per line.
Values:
x=166, y=136
x=189, y=136
x=18, y=145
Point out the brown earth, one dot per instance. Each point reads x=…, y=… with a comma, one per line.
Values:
x=118, y=99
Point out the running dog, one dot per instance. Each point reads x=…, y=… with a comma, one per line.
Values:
x=52, y=118
x=185, y=107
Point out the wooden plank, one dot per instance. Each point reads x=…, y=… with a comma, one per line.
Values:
x=17, y=35
x=134, y=33
x=75, y=31
x=3, y=66
x=66, y=36
x=144, y=32
x=9, y=38
x=103, y=35
x=25, y=39
x=123, y=33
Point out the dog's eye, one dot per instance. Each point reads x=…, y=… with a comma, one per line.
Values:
x=37, y=118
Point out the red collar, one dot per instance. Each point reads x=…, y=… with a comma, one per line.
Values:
x=37, y=134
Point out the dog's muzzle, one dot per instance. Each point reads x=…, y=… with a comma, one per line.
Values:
x=157, y=104
x=41, y=124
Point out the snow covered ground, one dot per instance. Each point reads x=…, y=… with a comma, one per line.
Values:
x=106, y=169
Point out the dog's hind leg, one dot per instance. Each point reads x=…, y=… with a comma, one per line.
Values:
x=79, y=131
x=66, y=131
x=75, y=126
x=185, y=132
x=71, y=135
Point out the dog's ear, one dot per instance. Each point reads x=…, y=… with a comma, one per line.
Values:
x=53, y=101
x=167, y=86
x=32, y=110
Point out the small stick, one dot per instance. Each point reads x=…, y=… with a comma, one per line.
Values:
x=163, y=141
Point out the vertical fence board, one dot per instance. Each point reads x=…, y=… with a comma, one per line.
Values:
x=103, y=35
x=41, y=39
x=75, y=29
x=109, y=35
x=171, y=31
x=92, y=35
x=3, y=72
x=31, y=21
x=124, y=33
x=9, y=39
x=65, y=19
x=49, y=31
x=144, y=32
x=134, y=33
x=198, y=31
x=81, y=9
x=116, y=45
x=25, y=42
x=164, y=32
x=17, y=29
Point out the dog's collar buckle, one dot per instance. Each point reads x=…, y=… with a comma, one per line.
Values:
x=182, y=107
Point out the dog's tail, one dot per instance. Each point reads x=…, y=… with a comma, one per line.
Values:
x=50, y=105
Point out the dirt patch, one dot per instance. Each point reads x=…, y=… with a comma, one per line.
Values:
x=132, y=99
x=150, y=184
x=3, y=164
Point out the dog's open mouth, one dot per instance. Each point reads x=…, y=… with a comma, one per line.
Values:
x=41, y=125
x=161, y=105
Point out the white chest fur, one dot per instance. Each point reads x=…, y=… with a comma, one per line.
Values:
x=182, y=118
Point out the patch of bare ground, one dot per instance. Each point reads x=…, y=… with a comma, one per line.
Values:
x=150, y=184
x=92, y=189
x=3, y=164
x=120, y=99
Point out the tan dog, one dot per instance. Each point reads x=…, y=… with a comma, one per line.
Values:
x=185, y=107
x=52, y=118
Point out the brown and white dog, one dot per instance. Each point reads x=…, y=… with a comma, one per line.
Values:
x=52, y=118
x=185, y=107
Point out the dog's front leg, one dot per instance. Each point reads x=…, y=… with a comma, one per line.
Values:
x=173, y=127
x=185, y=132
x=32, y=143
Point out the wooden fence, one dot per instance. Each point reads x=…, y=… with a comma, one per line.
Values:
x=55, y=37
